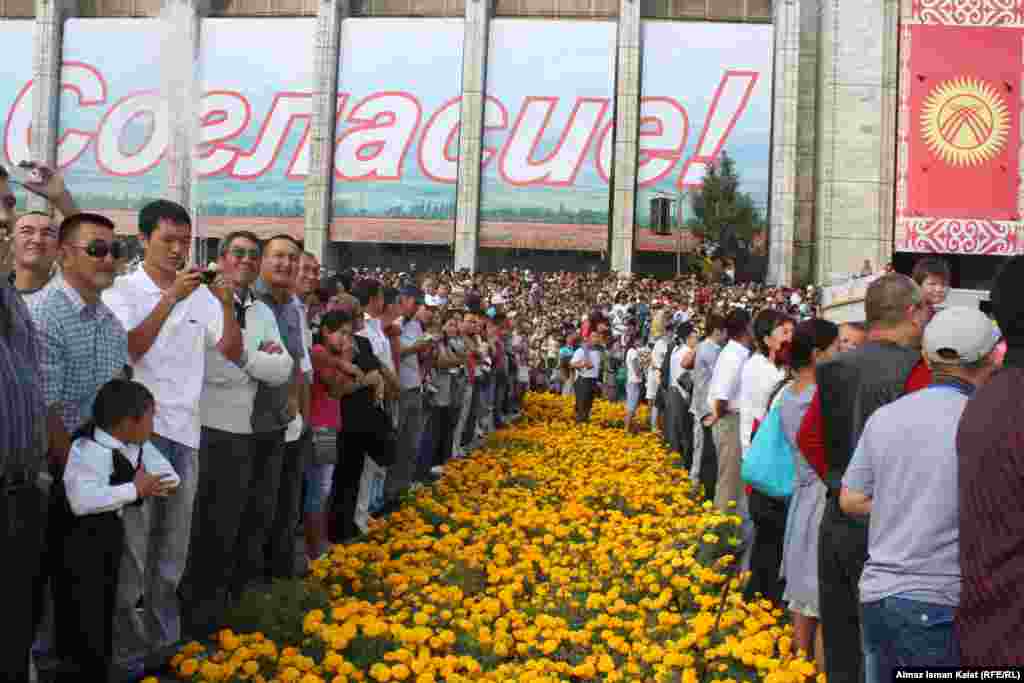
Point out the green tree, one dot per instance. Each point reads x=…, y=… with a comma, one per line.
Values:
x=719, y=204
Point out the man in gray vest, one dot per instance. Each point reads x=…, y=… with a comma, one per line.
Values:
x=851, y=387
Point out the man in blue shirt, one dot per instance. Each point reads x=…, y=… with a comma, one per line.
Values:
x=904, y=475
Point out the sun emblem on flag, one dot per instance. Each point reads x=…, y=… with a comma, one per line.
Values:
x=965, y=121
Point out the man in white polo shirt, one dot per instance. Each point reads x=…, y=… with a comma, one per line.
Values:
x=170, y=326
x=723, y=402
x=587, y=363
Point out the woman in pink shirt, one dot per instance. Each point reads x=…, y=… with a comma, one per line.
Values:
x=333, y=375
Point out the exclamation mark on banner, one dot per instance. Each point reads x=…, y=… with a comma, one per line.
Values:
x=727, y=106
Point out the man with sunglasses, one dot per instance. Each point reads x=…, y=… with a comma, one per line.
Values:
x=170, y=327
x=228, y=447
x=81, y=343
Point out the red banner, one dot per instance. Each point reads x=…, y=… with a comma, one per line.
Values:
x=965, y=90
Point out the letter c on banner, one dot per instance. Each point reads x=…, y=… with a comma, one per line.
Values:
x=223, y=116
x=90, y=89
x=111, y=156
x=441, y=129
x=18, y=128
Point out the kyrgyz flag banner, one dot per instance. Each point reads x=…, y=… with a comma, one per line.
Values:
x=964, y=123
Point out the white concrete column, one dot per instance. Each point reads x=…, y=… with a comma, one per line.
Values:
x=320, y=181
x=627, y=128
x=784, y=142
x=180, y=84
x=46, y=64
x=856, y=135
x=471, y=130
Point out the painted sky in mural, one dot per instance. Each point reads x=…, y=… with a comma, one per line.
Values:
x=548, y=120
x=396, y=154
x=705, y=87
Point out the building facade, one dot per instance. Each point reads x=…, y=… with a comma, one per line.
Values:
x=480, y=131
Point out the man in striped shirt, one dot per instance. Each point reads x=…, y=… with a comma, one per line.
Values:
x=22, y=444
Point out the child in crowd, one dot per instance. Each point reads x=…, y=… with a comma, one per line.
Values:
x=111, y=465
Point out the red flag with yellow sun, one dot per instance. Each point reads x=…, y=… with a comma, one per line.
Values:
x=965, y=122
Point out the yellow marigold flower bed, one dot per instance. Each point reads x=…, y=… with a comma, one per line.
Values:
x=557, y=553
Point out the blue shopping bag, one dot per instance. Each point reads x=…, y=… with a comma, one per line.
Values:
x=769, y=466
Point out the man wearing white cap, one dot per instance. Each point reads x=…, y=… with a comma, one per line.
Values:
x=904, y=475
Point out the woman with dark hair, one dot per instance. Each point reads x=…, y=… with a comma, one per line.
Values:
x=451, y=359
x=814, y=341
x=760, y=381
x=333, y=377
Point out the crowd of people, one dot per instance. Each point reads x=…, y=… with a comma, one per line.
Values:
x=170, y=432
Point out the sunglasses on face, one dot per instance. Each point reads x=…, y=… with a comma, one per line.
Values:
x=99, y=249
x=240, y=253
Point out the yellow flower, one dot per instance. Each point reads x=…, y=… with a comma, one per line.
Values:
x=380, y=672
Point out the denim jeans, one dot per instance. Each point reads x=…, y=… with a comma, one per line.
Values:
x=156, y=543
x=901, y=632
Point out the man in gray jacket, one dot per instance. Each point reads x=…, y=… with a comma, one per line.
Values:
x=705, y=462
x=228, y=449
x=274, y=409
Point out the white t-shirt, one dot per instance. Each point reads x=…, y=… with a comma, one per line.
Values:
x=379, y=342
x=654, y=372
x=175, y=365
x=632, y=359
x=680, y=356
x=757, y=381
x=725, y=379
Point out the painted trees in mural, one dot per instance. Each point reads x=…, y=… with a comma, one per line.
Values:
x=722, y=212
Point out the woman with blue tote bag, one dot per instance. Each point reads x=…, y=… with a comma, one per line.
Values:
x=762, y=377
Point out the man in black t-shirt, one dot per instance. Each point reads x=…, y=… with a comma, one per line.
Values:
x=361, y=432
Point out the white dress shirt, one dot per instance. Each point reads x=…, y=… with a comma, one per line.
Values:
x=90, y=464
x=594, y=356
x=175, y=365
x=374, y=332
x=409, y=370
x=757, y=381
x=725, y=379
x=680, y=356
x=632, y=359
x=654, y=371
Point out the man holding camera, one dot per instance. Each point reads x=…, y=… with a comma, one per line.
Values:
x=170, y=326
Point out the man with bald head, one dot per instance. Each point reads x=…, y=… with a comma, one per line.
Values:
x=851, y=387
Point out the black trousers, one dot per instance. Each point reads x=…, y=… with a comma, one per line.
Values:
x=842, y=552
x=281, y=548
x=708, y=474
x=500, y=396
x=584, y=398
x=769, y=517
x=84, y=612
x=353, y=448
x=443, y=435
x=679, y=426
x=469, y=430
x=22, y=515
x=225, y=478
x=260, y=509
